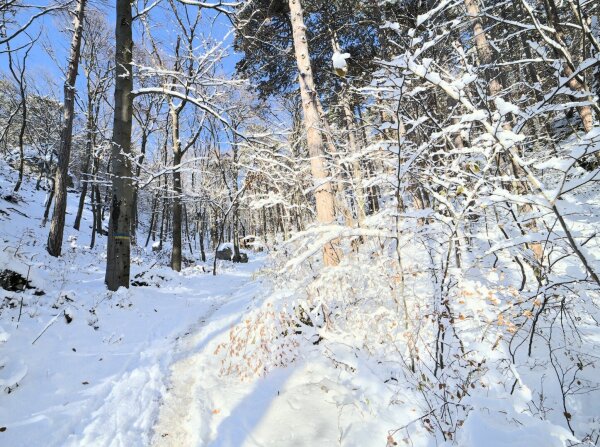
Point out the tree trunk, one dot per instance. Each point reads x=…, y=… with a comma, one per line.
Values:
x=21, y=140
x=187, y=228
x=575, y=83
x=201, y=235
x=484, y=49
x=161, y=231
x=48, y=205
x=324, y=191
x=88, y=157
x=95, y=208
x=263, y=216
x=153, y=213
x=118, y=258
x=22, y=82
x=176, y=253
x=84, y=189
x=138, y=170
x=98, y=201
x=373, y=191
x=236, y=208
x=57, y=226
x=357, y=177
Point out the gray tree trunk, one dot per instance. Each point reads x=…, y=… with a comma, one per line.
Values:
x=176, y=253
x=138, y=170
x=57, y=226
x=88, y=158
x=118, y=259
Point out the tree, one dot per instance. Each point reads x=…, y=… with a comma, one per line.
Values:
x=119, y=227
x=57, y=225
x=97, y=68
x=323, y=189
x=264, y=36
x=12, y=25
x=18, y=72
x=192, y=91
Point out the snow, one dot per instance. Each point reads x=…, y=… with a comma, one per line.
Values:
x=465, y=308
x=506, y=108
x=138, y=367
x=192, y=359
x=422, y=18
x=98, y=380
x=339, y=60
x=480, y=429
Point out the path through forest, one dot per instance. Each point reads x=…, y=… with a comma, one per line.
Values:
x=83, y=366
x=158, y=376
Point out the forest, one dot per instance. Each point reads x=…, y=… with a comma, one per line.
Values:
x=299, y=223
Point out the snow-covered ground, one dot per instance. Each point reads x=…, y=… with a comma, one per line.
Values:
x=191, y=359
x=83, y=366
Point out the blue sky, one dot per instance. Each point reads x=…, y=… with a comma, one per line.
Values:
x=54, y=34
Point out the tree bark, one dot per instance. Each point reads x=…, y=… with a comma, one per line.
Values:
x=357, y=176
x=21, y=139
x=153, y=212
x=484, y=49
x=201, y=233
x=57, y=226
x=138, y=170
x=187, y=228
x=324, y=196
x=176, y=252
x=575, y=82
x=95, y=214
x=118, y=259
x=84, y=189
x=88, y=158
x=22, y=83
x=48, y=204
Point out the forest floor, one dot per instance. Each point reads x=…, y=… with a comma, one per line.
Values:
x=80, y=366
x=165, y=362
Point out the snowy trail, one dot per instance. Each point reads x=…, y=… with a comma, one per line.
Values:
x=99, y=380
x=99, y=377
x=128, y=404
x=181, y=420
x=201, y=407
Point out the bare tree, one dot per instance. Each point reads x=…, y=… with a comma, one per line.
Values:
x=118, y=259
x=97, y=69
x=323, y=189
x=57, y=225
x=18, y=72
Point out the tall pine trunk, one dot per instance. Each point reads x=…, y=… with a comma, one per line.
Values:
x=118, y=259
x=57, y=226
x=324, y=191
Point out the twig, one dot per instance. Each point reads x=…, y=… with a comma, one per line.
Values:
x=50, y=323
